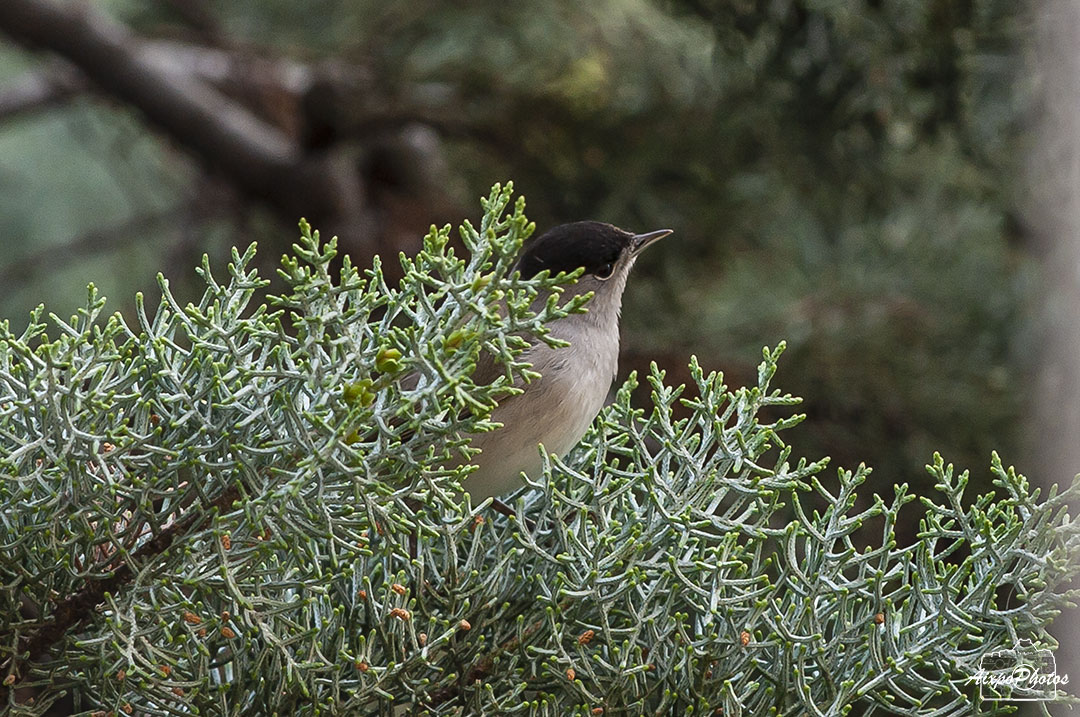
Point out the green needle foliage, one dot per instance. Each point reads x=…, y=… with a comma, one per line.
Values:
x=252, y=506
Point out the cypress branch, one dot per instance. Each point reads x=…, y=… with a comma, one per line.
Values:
x=240, y=506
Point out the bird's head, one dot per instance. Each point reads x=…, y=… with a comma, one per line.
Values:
x=605, y=252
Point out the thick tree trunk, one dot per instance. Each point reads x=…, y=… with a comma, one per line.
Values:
x=1054, y=186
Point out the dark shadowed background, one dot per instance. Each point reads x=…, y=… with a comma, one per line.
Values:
x=856, y=178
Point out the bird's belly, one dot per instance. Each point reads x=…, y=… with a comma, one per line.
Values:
x=556, y=411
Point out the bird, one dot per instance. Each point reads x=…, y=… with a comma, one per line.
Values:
x=556, y=409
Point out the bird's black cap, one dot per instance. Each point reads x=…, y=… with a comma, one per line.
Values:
x=596, y=246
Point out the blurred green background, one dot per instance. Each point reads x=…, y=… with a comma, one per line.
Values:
x=842, y=175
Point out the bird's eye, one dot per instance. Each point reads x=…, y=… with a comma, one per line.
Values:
x=604, y=271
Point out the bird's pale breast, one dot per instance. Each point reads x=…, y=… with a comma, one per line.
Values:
x=559, y=409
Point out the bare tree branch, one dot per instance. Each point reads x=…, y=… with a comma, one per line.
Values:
x=73, y=610
x=224, y=67
x=36, y=91
x=260, y=160
x=92, y=243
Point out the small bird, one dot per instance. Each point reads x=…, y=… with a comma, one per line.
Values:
x=557, y=409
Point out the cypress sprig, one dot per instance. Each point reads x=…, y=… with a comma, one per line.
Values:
x=251, y=505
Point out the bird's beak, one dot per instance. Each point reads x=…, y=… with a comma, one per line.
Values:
x=640, y=242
